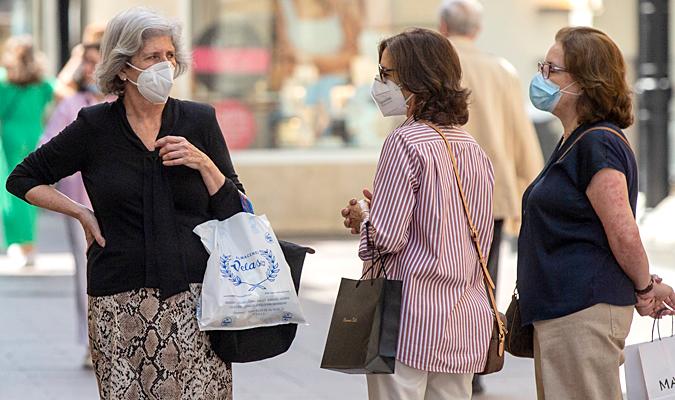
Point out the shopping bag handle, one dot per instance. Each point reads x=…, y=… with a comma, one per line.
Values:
x=383, y=269
x=657, y=324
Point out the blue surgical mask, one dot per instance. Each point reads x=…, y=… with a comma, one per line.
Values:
x=545, y=94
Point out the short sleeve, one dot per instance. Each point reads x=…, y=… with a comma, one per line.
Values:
x=207, y=233
x=598, y=150
x=62, y=156
x=48, y=88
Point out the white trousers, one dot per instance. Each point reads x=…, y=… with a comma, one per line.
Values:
x=413, y=384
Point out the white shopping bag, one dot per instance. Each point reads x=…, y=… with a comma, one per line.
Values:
x=247, y=283
x=635, y=380
x=650, y=370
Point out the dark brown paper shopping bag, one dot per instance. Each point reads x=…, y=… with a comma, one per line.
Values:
x=364, y=329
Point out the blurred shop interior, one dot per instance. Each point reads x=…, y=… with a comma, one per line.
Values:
x=290, y=79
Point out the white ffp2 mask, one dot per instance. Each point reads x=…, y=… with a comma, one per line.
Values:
x=155, y=82
x=389, y=97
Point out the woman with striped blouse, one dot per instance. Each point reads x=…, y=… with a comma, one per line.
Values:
x=416, y=221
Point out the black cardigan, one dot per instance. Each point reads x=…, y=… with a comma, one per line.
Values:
x=146, y=211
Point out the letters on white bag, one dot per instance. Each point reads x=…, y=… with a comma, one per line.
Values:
x=247, y=283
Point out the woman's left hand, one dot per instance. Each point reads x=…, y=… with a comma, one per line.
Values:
x=353, y=214
x=177, y=150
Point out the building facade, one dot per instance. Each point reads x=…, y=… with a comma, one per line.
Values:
x=290, y=79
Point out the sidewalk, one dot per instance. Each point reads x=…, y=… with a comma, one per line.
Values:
x=39, y=357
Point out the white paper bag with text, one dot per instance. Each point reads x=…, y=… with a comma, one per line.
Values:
x=635, y=380
x=247, y=283
x=650, y=370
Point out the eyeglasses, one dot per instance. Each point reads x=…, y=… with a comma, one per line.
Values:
x=545, y=68
x=384, y=71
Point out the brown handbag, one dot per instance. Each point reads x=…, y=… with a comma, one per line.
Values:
x=495, y=358
x=520, y=339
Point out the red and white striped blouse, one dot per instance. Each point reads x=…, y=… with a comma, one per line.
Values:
x=417, y=219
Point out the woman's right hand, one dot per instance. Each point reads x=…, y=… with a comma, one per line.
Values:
x=91, y=229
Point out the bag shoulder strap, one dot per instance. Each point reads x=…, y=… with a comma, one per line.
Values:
x=474, y=236
x=597, y=128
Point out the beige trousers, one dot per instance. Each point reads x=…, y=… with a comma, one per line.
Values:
x=413, y=384
x=577, y=357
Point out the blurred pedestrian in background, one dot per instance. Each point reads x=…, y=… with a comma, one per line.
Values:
x=498, y=120
x=416, y=221
x=154, y=168
x=69, y=78
x=581, y=262
x=87, y=94
x=24, y=96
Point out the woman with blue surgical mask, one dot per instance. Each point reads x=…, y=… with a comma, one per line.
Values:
x=154, y=167
x=582, y=268
x=546, y=93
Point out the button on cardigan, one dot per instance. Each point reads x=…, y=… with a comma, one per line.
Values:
x=146, y=210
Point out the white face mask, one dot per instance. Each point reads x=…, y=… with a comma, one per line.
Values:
x=389, y=97
x=155, y=82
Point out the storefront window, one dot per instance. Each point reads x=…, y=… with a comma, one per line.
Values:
x=288, y=73
x=15, y=18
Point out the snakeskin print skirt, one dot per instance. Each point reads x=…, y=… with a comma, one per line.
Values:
x=147, y=349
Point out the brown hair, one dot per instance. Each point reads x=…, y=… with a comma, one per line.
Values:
x=24, y=64
x=597, y=64
x=428, y=66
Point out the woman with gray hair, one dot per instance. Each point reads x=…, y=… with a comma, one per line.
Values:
x=154, y=168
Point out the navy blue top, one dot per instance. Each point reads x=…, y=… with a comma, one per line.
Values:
x=565, y=263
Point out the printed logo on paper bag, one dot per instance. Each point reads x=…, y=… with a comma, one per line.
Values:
x=245, y=270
